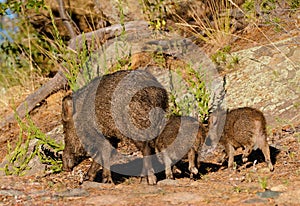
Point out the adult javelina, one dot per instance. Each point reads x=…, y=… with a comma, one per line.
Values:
x=117, y=118
x=245, y=127
x=182, y=135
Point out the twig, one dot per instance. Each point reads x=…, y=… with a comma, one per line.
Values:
x=65, y=18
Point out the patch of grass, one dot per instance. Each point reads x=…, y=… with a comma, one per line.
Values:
x=214, y=27
x=263, y=182
x=31, y=143
x=237, y=189
x=298, y=172
x=292, y=155
x=294, y=4
x=196, y=98
x=194, y=101
x=224, y=58
x=155, y=12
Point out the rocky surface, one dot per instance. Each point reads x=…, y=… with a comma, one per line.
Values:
x=267, y=78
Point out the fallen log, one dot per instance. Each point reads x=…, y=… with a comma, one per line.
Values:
x=60, y=81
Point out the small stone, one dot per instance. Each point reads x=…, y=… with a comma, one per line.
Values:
x=168, y=182
x=279, y=188
x=11, y=193
x=94, y=185
x=77, y=192
x=255, y=200
x=268, y=194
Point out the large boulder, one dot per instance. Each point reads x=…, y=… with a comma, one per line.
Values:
x=268, y=79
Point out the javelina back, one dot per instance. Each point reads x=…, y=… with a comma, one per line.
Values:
x=245, y=127
x=182, y=135
x=125, y=107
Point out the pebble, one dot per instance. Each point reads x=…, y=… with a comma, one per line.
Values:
x=168, y=182
x=255, y=200
x=279, y=188
x=11, y=193
x=268, y=194
x=77, y=192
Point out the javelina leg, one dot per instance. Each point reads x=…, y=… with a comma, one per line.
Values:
x=147, y=165
x=266, y=151
x=168, y=167
x=94, y=169
x=192, y=168
x=92, y=172
x=230, y=153
x=246, y=153
x=106, y=176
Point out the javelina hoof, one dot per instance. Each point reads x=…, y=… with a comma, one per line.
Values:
x=152, y=179
x=271, y=167
x=87, y=178
x=107, y=180
x=245, y=159
x=169, y=174
x=194, y=171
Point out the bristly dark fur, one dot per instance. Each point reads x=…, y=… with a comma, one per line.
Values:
x=140, y=106
x=168, y=136
x=245, y=127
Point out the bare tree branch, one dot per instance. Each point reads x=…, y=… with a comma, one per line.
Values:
x=100, y=36
x=53, y=85
x=65, y=18
x=59, y=81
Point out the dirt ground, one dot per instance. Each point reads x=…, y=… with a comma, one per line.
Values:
x=251, y=184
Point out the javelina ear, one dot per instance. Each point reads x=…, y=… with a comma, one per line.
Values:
x=67, y=108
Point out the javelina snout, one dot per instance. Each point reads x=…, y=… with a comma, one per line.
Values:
x=182, y=135
x=125, y=106
x=74, y=152
x=245, y=127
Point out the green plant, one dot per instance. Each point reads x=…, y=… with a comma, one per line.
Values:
x=19, y=157
x=155, y=12
x=224, y=58
x=254, y=7
x=263, y=182
x=294, y=4
x=196, y=94
x=237, y=189
x=292, y=155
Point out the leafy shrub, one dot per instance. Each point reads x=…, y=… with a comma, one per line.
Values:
x=20, y=156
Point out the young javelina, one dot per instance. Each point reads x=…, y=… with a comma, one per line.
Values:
x=245, y=127
x=182, y=135
x=124, y=107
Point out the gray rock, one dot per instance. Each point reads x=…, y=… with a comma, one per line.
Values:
x=11, y=192
x=255, y=200
x=168, y=182
x=77, y=192
x=268, y=79
x=268, y=194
